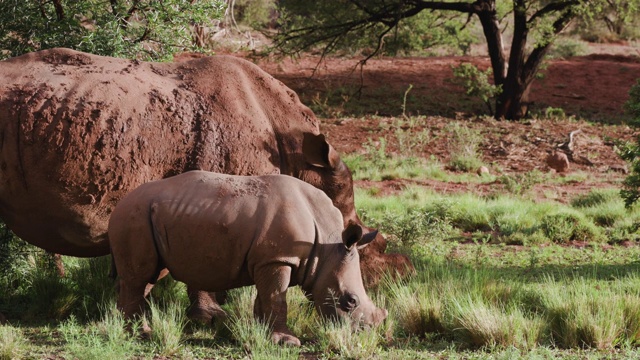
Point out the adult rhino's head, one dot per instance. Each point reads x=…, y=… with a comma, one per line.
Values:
x=338, y=291
x=326, y=171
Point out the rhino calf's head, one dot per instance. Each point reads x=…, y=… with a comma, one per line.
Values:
x=338, y=291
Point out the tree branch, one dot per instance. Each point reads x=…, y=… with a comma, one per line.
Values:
x=551, y=8
x=539, y=52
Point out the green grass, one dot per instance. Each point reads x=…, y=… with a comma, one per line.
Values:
x=465, y=300
x=13, y=343
x=420, y=213
x=498, y=276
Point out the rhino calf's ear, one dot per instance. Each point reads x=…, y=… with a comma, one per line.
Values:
x=318, y=152
x=351, y=234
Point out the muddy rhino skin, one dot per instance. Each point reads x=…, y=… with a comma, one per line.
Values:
x=217, y=232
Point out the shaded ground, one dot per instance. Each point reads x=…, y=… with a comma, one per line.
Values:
x=356, y=106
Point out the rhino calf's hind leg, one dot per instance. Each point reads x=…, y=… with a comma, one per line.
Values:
x=271, y=302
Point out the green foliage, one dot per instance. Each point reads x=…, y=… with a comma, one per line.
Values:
x=632, y=106
x=257, y=14
x=413, y=34
x=520, y=184
x=565, y=226
x=631, y=184
x=476, y=83
x=148, y=29
x=611, y=20
x=482, y=324
x=252, y=335
x=342, y=338
x=14, y=255
x=564, y=48
x=406, y=229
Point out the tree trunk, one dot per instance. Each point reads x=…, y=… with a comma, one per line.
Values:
x=491, y=28
x=513, y=101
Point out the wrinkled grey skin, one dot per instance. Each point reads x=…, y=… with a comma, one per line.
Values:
x=216, y=232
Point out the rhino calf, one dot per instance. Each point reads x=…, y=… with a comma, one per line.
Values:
x=217, y=232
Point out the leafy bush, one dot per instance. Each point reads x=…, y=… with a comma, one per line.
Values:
x=562, y=227
x=476, y=83
x=632, y=106
x=126, y=28
x=631, y=152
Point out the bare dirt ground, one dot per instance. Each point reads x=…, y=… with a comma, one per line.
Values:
x=355, y=106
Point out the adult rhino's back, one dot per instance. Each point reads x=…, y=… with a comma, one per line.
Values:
x=79, y=131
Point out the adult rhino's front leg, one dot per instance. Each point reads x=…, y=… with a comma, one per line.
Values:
x=204, y=307
x=271, y=302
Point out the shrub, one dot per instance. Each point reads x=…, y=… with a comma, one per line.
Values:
x=476, y=83
x=632, y=106
x=153, y=29
x=562, y=227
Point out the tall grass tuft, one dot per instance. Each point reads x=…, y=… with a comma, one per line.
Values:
x=581, y=316
x=342, y=338
x=302, y=317
x=252, y=335
x=167, y=327
x=105, y=339
x=463, y=144
x=93, y=286
x=12, y=343
x=416, y=311
x=51, y=295
x=480, y=324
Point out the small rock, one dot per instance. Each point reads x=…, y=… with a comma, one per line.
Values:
x=558, y=161
x=483, y=170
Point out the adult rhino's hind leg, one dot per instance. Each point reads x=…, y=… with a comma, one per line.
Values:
x=204, y=308
x=131, y=301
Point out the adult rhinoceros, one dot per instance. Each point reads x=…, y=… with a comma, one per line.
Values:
x=79, y=131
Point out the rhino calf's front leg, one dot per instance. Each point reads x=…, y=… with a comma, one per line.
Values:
x=271, y=303
x=204, y=306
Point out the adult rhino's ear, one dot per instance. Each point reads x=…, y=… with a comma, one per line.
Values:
x=367, y=238
x=351, y=234
x=318, y=152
